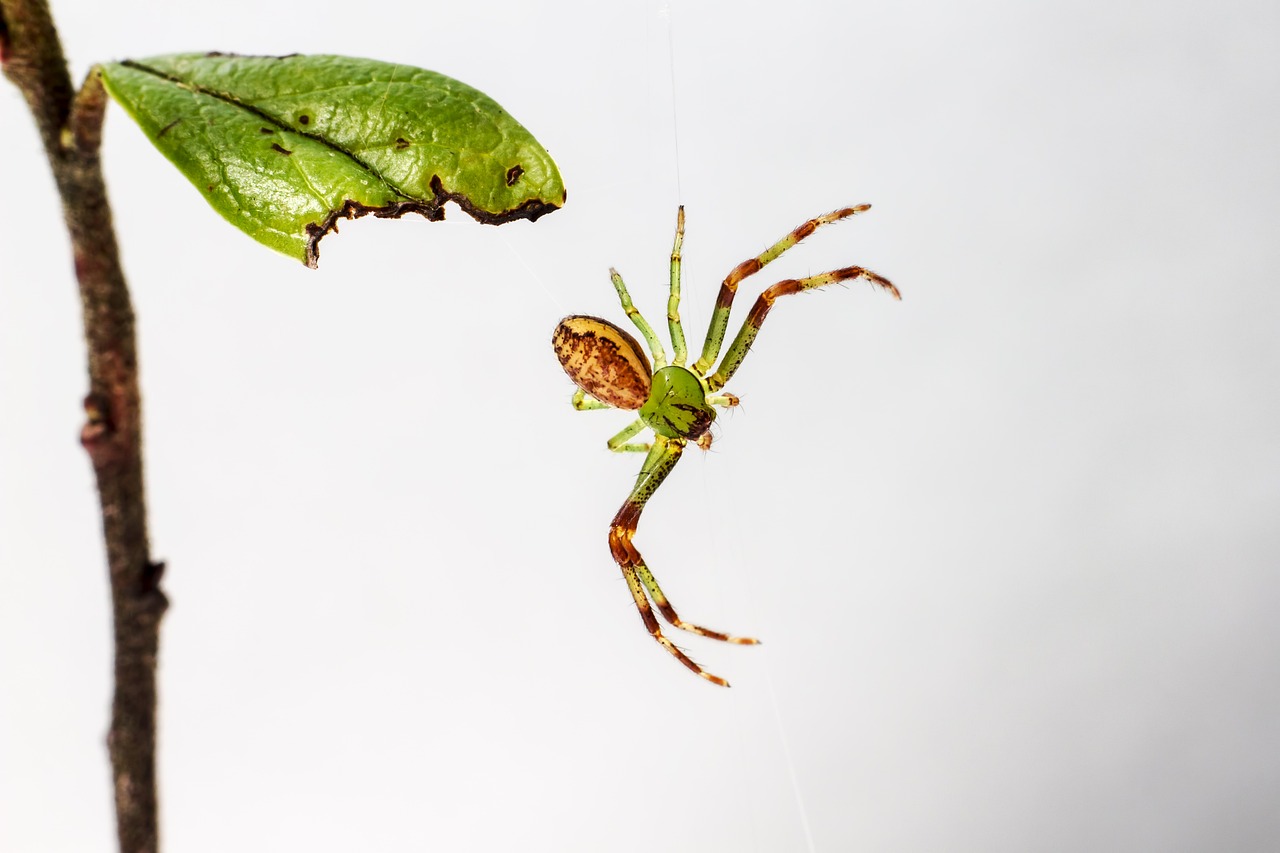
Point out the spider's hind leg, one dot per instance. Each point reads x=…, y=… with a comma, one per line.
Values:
x=669, y=613
x=657, y=465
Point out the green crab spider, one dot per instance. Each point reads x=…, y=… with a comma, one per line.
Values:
x=674, y=401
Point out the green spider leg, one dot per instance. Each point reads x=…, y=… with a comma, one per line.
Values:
x=655, y=345
x=621, y=442
x=680, y=351
x=724, y=401
x=644, y=587
x=729, y=287
x=737, y=351
x=584, y=402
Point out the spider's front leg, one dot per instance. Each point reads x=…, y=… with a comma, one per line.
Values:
x=729, y=287
x=663, y=456
x=764, y=304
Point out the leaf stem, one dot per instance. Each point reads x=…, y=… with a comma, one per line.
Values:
x=70, y=125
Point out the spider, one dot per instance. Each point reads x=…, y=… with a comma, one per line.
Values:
x=674, y=401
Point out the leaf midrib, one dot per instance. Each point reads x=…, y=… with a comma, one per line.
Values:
x=267, y=117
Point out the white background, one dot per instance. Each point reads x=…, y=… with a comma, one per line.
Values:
x=1011, y=543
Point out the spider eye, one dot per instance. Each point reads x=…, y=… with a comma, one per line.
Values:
x=604, y=361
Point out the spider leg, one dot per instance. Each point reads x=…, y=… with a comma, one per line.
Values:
x=680, y=351
x=751, y=326
x=669, y=613
x=729, y=287
x=655, y=346
x=725, y=400
x=657, y=465
x=619, y=443
x=584, y=402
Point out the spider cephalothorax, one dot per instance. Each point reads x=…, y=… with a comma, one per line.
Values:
x=676, y=402
x=608, y=364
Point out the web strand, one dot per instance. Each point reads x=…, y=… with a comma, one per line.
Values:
x=664, y=12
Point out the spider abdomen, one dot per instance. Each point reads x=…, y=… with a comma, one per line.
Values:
x=603, y=360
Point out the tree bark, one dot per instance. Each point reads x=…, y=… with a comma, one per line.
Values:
x=70, y=125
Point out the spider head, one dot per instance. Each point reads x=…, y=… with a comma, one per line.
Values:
x=677, y=405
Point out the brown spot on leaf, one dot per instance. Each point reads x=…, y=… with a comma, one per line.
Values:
x=266, y=130
x=304, y=119
x=401, y=143
x=168, y=127
x=276, y=146
x=513, y=174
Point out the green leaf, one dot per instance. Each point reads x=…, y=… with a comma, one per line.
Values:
x=284, y=147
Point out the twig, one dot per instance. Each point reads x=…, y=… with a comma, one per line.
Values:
x=70, y=125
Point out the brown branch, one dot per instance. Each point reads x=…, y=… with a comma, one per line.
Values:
x=70, y=125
